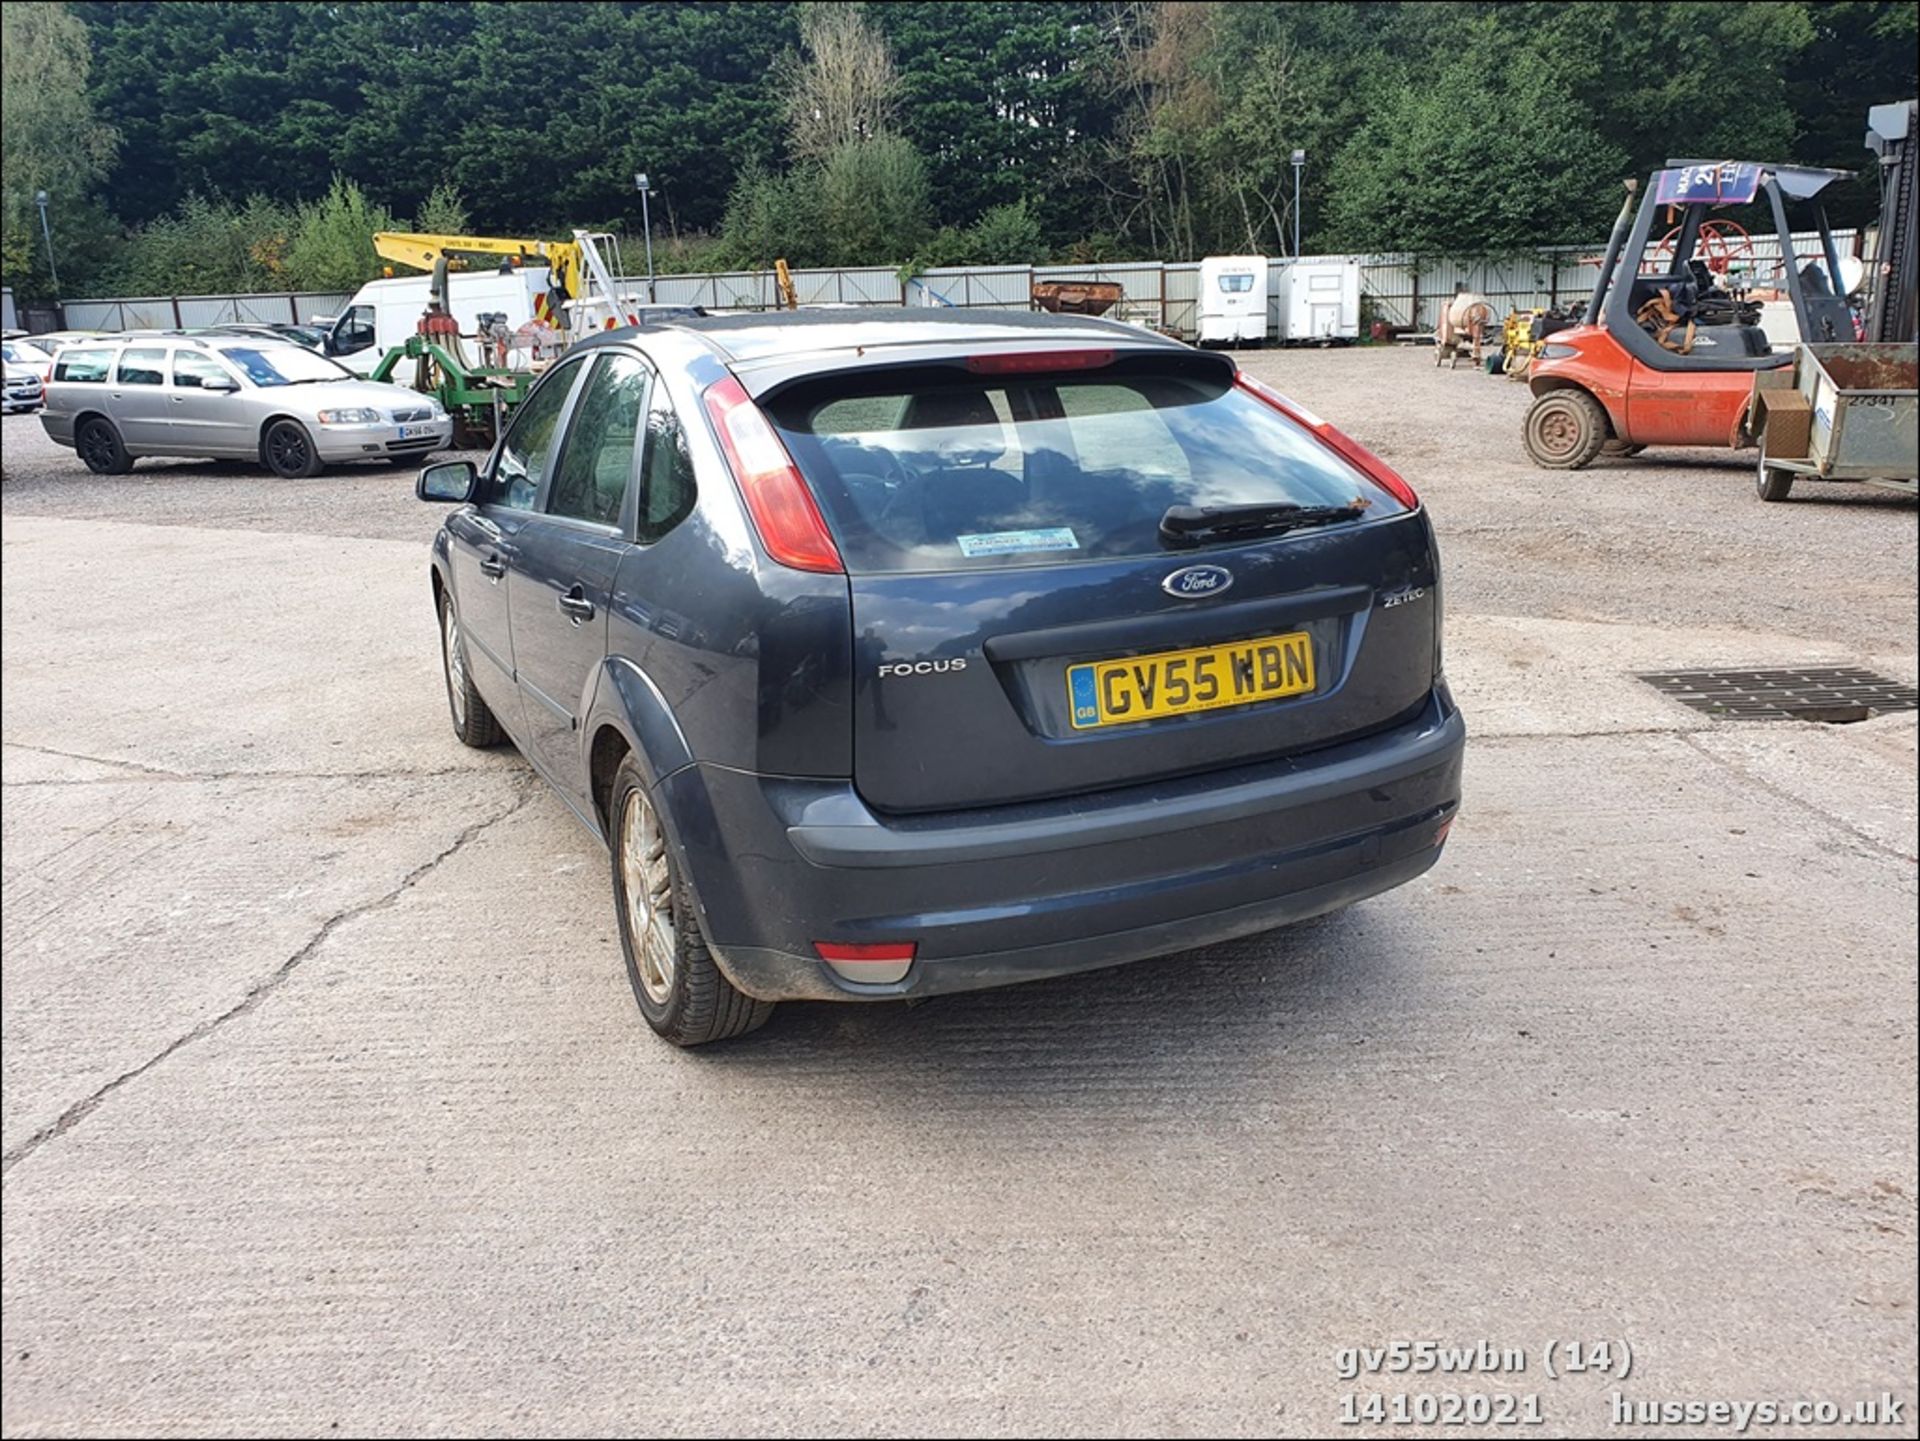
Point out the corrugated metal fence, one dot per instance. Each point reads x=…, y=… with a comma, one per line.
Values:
x=159, y=312
x=1398, y=289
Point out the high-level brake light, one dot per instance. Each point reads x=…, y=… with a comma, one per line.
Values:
x=1030, y=362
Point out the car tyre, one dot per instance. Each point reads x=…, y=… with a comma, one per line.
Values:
x=680, y=990
x=473, y=721
x=1620, y=449
x=1565, y=430
x=1772, y=484
x=289, y=451
x=101, y=449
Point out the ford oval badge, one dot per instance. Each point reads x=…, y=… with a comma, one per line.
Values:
x=1192, y=581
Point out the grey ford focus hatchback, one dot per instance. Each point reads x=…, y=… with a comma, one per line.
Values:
x=894, y=653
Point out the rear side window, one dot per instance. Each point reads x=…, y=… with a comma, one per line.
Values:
x=930, y=470
x=141, y=367
x=82, y=367
x=668, y=495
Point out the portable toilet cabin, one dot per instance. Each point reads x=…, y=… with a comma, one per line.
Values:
x=1320, y=301
x=1233, y=300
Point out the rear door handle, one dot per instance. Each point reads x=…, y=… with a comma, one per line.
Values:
x=575, y=606
x=492, y=567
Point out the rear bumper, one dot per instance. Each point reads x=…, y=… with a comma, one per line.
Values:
x=1020, y=892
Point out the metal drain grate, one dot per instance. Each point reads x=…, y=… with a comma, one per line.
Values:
x=1819, y=693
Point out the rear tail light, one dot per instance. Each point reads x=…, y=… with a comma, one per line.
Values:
x=1340, y=443
x=870, y=964
x=1029, y=362
x=777, y=497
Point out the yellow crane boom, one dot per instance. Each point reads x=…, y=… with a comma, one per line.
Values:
x=561, y=257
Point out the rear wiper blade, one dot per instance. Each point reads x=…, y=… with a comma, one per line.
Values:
x=1191, y=524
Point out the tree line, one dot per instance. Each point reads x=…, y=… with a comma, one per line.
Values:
x=244, y=146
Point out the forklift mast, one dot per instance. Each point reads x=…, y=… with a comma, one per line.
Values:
x=1890, y=135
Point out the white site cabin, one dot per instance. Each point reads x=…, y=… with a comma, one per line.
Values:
x=1233, y=300
x=1320, y=301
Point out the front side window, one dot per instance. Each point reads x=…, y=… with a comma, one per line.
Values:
x=82, y=367
x=276, y=364
x=591, y=483
x=529, y=441
x=354, y=332
x=193, y=372
x=141, y=367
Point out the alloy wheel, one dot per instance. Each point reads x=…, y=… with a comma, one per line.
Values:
x=456, y=663
x=647, y=880
x=287, y=449
x=96, y=446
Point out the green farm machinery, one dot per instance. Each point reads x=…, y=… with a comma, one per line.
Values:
x=478, y=397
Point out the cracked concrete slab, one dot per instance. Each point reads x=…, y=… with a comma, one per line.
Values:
x=136, y=912
x=1858, y=774
x=226, y=654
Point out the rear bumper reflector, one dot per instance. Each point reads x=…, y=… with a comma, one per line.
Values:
x=871, y=964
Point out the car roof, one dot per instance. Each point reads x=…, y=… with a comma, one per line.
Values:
x=786, y=334
x=211, y=335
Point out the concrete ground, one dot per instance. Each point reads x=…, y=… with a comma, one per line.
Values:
x=327, y=1107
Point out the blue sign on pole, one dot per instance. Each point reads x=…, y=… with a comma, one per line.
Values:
x=1730, y=182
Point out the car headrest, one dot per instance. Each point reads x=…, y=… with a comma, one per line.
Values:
x=956, y=410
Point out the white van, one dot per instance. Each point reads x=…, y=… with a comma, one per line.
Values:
x=1233, y=299
x=383, y=313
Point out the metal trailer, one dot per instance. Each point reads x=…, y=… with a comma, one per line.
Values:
x=1844, y=412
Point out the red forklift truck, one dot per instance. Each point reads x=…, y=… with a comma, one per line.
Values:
x=1674, y=340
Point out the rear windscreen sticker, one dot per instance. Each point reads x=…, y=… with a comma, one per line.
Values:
x=1017, y=542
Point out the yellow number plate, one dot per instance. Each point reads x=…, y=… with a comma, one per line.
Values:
x=1179, y=682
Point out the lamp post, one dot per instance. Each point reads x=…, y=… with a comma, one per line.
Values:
x=40, y=199
x=1299, y=164
x=645, y=188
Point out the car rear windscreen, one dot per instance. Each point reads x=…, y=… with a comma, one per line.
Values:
x=939, y=470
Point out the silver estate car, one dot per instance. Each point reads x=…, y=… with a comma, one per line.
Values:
x=230, y=398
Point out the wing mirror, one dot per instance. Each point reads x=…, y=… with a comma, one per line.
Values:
x=451, y=480
x=224, y=384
